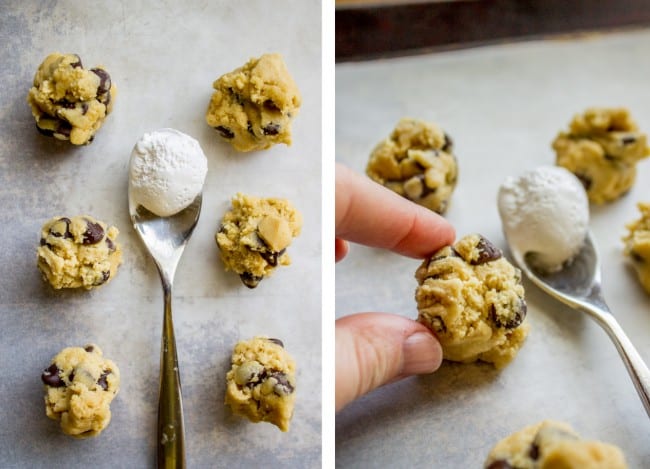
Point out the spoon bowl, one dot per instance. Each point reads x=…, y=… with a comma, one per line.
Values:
x=578, y=285
x=165, y=238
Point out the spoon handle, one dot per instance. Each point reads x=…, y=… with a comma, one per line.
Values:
x=635, y=365
x=171, y=432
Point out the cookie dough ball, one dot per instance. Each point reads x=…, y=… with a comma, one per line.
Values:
x=254, y=236
x=417, y=162
x=473, y=299
x=68, y=101
x=78, y=252
x=261, y=382
x=602, y=147
x=79, y=387
x=637, y=245
x=252, y=107
x=551, y=444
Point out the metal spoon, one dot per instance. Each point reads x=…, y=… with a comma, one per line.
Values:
x=165, y=238
x=578, y=285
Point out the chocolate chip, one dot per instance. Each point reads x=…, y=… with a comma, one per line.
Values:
x=585, y=180
x=67, y=104
x=628, y=139
x=250, y=280
x=271, y=257
x=534, y=451
x=237, y=96
x=271, y=129
x=63, y=129
x=43, y=242
x=71, y=376
x=76, y=64
x=487, y=252
x=518, y=315
x=105, y=99
x=51, y=377
x=250, y=129
x=283, y=387
x=94, y=233
x=448, y=146
x=46, y=132
x=276, y=341
x=500, y=464
x=66, y=234
x=102, y=379
x=225, y=132
x=89, y=348
x=84, y=108
x=270, y=105
x=104, y=80
x=106, y=274
x=110, y=244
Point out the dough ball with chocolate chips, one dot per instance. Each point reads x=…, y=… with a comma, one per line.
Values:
x=637, y=245
x=253, y=106
x=254, y=236
x=417, y=162
x=80, y=385
x=602, y=147
x=261, y=382
x=78, y=252
x=551, y=444
x=68, y=101
x=472, y=298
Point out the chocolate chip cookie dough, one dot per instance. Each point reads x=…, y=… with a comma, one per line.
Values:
x=637, y=245
x=417, y=162
x=551, y=444
x=78, y=252
x=602, y=147
x=68, y=101
x=79, y=387
x=253, y=106
x=473, y=299
x=254, y=236
x=261, y=382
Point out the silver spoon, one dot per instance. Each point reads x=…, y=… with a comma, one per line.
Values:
x=165, y=238
x=578, y=285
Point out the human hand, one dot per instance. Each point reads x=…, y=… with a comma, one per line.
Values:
x=373, y=349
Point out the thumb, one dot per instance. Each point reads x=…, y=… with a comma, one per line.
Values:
x=373, y=349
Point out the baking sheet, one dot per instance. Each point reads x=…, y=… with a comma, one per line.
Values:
x=163, y=57
x=502, y=105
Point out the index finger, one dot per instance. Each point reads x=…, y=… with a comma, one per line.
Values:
x=368, y=213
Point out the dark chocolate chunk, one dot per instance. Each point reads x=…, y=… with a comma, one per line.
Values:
x=270, y=105
x=106, y=274
x=283, y=387
x=250, y=129
x=76, y=64
x=271, y=257
x=487, y=252
x=276, y=341
x=84, y=108
x=89, y=348
x=250, y=280
x=518, y=315
x=102, y=379
x=628, y=139
x=63, y=129
x=500, y=464
x=71, y=376
x=271, y=129
x=110, y=244
x=104, y=80
x=225, y=132
x=51, y=377
x=46, y=132
x=67, y=104
x=66, y=234
x=534, y=451
x=94, y=233
x=449, y=144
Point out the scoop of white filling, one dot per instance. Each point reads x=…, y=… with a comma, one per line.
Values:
x=545, y=211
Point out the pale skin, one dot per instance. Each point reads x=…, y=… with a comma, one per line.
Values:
x=375, y=348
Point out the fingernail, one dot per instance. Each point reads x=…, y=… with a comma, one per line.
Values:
x=421, y=354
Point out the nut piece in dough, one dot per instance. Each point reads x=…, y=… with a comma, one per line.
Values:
x=254, y=236
x=68, y=101
x=253, y=106
x=637, y=245
x=78, y=252
x=261, y=382
x=417, y=162
x=472, y=298
x=602, y=147
x=79, y=387
x=551, y=444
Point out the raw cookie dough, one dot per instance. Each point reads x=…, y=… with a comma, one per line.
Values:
x=261, y=383
x=601, y=148
x=78, y=252
x=473, y=299
x=254, y=236
x=253, y=106
x=68, y=101
x=417, y=162
x=79, y=387
x=637, y=245
x=549, y=445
